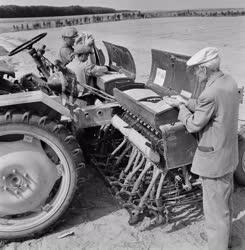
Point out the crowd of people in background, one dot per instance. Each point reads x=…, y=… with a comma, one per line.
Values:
x=61, y=22
x=111, y=17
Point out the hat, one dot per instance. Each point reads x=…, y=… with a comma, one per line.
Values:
x=203, y=56
x=82, y=49
x=69, y=32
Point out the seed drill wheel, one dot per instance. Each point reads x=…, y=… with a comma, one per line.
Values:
x=40, y=163
x=240, y=170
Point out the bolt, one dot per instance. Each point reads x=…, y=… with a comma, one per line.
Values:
x=4, y=178
x=86, y=115
x=14, y=171
x=5, y=188
x=27, y=177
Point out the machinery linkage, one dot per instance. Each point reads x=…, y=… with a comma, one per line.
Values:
x=139, y=179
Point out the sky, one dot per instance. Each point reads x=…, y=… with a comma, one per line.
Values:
x=135, y=4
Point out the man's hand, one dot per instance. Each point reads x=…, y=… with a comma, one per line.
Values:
x=175, y=100
x=86, y=39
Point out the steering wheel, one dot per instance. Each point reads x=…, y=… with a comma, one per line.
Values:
x=28, y=44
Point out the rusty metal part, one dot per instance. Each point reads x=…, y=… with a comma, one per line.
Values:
x=94, y=115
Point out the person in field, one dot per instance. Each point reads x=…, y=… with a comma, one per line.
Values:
x=69, y=35
x=214, y=116
x=70, y=38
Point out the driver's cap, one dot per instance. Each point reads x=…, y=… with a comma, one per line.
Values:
x=70, y=32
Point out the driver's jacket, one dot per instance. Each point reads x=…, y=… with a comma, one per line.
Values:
x=65, y=54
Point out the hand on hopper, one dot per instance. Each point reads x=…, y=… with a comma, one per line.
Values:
x=175, y=100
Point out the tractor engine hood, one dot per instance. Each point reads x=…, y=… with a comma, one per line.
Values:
x=169, y=76
x=121, y=59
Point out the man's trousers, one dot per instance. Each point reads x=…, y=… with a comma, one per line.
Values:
x=217, y=205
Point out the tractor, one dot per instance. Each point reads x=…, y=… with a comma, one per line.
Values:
x=132, y=137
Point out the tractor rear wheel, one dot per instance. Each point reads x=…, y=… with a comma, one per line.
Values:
x=40, y=162
x=240, y=170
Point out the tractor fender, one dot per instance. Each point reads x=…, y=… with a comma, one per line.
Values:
x=37, y=101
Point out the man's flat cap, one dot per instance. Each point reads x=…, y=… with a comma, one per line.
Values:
x=82, y=49
x=203, y=56
x=69, y=32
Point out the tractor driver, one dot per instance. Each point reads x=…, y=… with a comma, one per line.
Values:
x=70, y=37
x=215, y=117
x=69, y=34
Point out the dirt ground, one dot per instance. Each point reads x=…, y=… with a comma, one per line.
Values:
x=97, y=221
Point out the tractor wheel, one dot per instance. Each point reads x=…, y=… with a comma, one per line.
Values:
x=40, y=162
x=240, y=170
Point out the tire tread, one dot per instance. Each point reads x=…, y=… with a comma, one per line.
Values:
x=69, y=142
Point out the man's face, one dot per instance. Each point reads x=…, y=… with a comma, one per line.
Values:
x=70, y=40
x=201, y=73
x=83, y=57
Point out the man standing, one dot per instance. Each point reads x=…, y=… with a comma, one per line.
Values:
x=214, y=115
